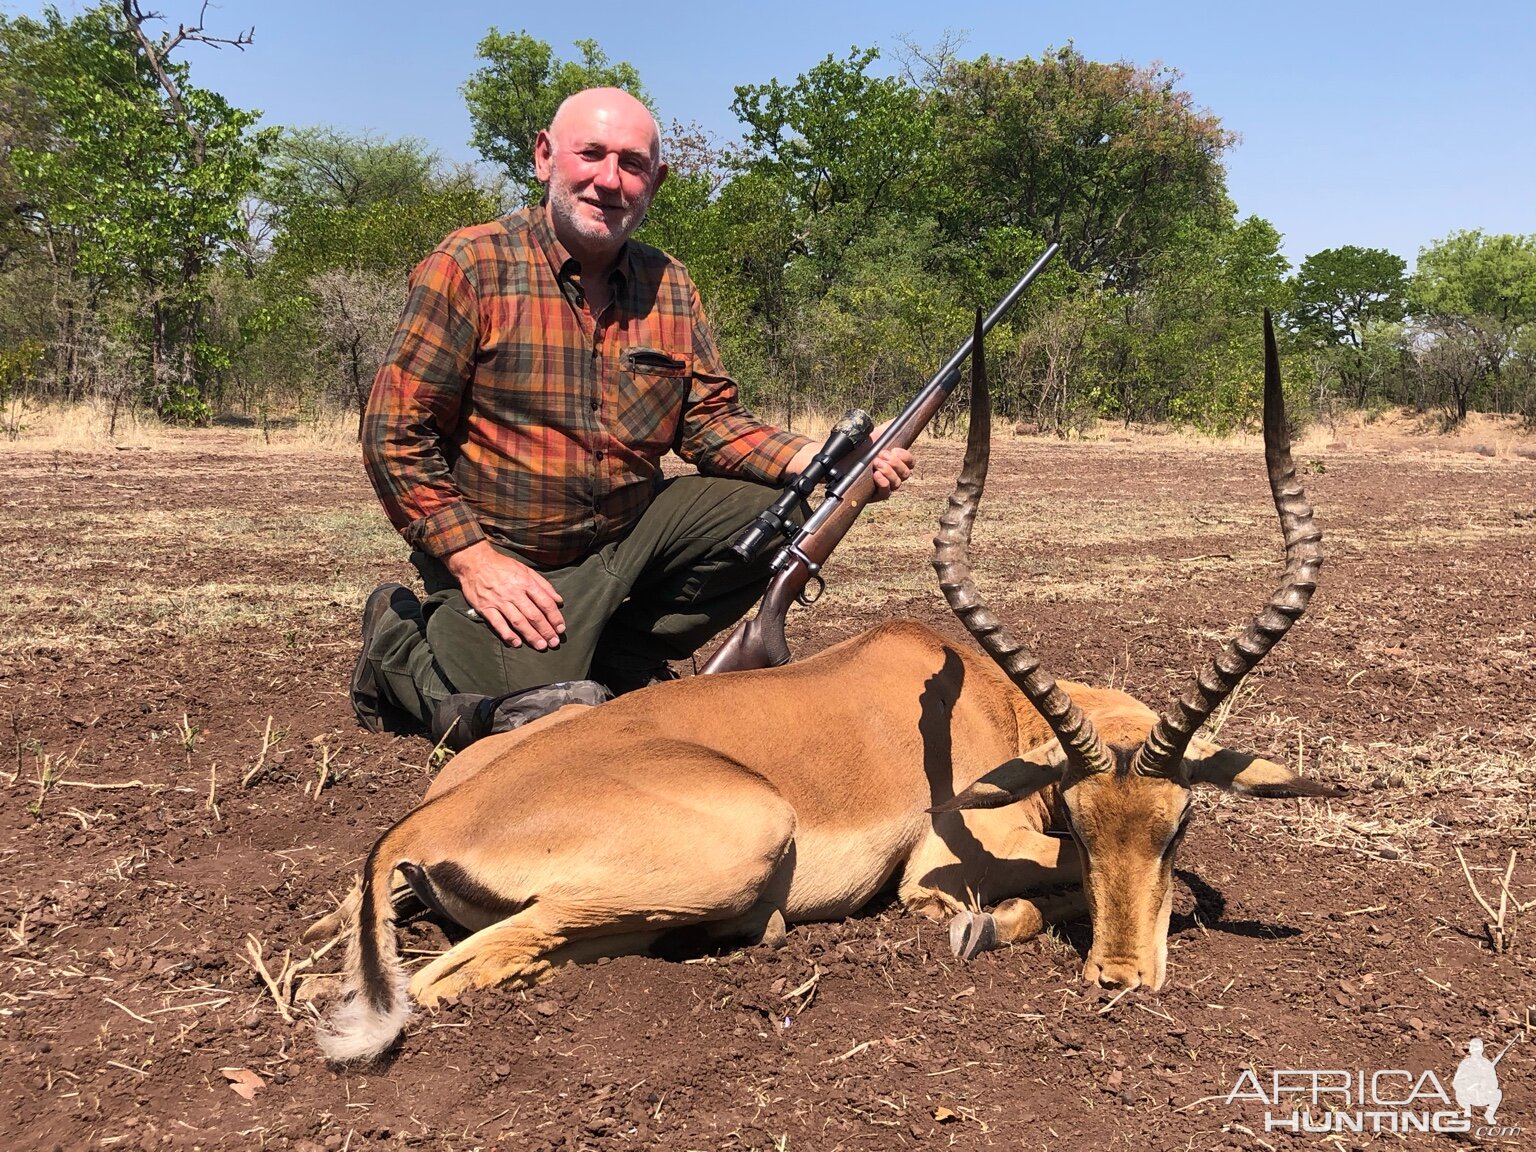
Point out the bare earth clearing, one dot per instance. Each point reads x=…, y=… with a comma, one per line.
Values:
x=180, y=619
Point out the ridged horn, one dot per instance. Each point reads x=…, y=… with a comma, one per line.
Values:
x=1163, y=752
x=951, y=560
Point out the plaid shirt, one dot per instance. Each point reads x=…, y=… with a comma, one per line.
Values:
x=503, y=412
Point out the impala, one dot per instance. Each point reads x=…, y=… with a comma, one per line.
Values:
x=712, y=804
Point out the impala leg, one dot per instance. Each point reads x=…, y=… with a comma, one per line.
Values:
x=518, y=952
x=514, y=951
x=971, y=932
x=523, y=950
x=989, y=857
x=344, y=917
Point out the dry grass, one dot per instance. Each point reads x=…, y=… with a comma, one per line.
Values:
x=332, y=432
x=40, y=621
x=1410, y=801
x=84, y=426
x=1405, y=431
x=87, y=427
x=296, y=566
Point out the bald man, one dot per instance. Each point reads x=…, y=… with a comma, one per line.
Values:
x=543, y=366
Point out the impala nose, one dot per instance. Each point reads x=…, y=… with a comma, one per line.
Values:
x=1113, y=973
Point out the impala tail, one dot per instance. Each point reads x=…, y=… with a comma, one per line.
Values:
x=376, y=1008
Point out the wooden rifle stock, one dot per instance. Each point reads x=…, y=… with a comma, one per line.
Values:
x=760, y=642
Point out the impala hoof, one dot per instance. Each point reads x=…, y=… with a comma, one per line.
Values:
x=972, y=932
x=776, y=934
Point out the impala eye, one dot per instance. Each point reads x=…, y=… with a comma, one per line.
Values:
x=1178, y=834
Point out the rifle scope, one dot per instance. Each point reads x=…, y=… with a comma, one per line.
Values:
x=854, y=427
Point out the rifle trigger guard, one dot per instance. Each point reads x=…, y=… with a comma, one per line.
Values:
x=806, y=597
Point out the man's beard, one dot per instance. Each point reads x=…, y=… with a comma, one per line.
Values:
x=573, y=215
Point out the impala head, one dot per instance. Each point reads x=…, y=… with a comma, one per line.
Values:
x=1128, y=792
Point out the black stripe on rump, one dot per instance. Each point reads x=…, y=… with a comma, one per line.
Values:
x=453, y=880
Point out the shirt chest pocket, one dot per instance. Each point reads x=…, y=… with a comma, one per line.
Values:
x=652, y=389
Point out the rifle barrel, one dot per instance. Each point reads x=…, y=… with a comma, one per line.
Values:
x=946, y=377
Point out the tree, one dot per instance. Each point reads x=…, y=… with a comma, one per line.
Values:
x=132, y=179
x=1473, y=274
x=838, y=139
x=523, y=82
x=347, y=217
x=356, y=313
x=1186, y=344
x=1340, y=294
x=825, y=162
x=689, y=218
x=887, y=321
x=381, y=225
x=1453, y=365
x=1479, y=293
x=1110, y=160
x=1339, y=290
x=322, y=165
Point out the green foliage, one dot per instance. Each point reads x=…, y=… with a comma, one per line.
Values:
x=1340, y=290
x=1109, y=159
x=132, y=179
x=18, y=373
x=1187, y=346
x=1473, y=274
x=882, y=327
x=377, y=237
x=341, y=170
x=347, y=217
x=839, y=138
x=334, y=200
x=134, y=186
x=515, y=94
x=1341, y=296
x=1475, y=298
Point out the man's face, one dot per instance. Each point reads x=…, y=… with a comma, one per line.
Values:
x=598, y=161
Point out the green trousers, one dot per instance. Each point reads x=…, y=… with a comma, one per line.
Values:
x=658, y=594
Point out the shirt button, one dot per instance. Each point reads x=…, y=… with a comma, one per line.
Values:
x=596, y=404
x=597, y=455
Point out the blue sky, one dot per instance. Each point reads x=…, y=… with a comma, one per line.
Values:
x=1382, y=125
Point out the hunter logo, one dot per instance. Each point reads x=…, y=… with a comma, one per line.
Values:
x=1318, y=1100
x=1476, y=1083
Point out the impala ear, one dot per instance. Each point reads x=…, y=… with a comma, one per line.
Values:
x=1009, y=782
x=1249, y=775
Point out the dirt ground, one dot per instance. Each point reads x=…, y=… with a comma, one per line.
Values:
x=185, y=789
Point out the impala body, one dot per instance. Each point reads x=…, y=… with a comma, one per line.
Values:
x=713, y=805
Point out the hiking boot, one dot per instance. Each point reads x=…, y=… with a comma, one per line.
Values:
x=620, y=682
x=464, y=717
x=367, y=691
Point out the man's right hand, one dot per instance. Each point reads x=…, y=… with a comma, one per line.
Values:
x=516, y=601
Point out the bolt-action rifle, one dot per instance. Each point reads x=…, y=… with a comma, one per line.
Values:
x=846, y=463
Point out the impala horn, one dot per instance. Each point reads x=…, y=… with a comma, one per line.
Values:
x=951, y=560
x=1163, y=752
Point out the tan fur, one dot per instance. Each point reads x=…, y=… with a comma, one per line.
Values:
x=800, y=791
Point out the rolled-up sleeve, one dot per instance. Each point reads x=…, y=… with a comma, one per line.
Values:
x=717, y=434
x=413, y=411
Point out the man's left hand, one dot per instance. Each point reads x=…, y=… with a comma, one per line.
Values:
x=891, y=468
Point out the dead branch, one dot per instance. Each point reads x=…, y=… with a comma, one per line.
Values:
x=158, y=54
x=1501, y=924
